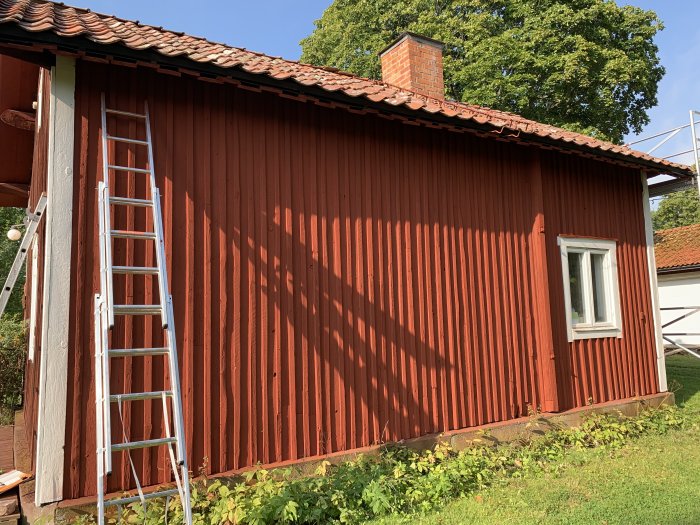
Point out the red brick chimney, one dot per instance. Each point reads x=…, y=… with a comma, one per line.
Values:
x=414, y=63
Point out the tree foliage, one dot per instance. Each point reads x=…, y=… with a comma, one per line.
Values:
x=12, y=338
x=13, y=351
x=8, y=251
x=681, y=208
x=586, y=65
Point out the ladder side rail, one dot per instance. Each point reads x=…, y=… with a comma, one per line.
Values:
x=32, y=225
x=186, y=504
x=104, y=193
x=99, y=415
x=106, y=408
x=105, y=152
x=161, y=260
x=102, y=239
x=108, y=290
x=157, y=225
x=174, y=371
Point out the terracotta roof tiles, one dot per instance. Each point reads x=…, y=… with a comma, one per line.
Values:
x=677, y=248
x=65, y=21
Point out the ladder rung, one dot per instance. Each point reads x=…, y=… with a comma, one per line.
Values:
x=136, y=309
x=124, y=113
x=147, y=443
x=127, y=140
x=140, y=396
x=126, y=234
x=135, y=270
x=135, y=499
x=128, y=168
x=128, y=201
x=138, y=352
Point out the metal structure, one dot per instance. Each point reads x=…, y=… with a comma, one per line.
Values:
x=676, y=183
x=674, y=346
x=105, y=312
x=696, y=146
x=671, y=337
x=31, y=222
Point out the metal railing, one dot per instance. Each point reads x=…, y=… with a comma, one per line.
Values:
x=676, y=347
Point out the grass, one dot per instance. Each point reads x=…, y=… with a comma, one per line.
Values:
x=653, y=480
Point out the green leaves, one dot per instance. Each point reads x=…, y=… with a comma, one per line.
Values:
x=586, y=65
x=681, y=208
x=398, y=481
x=13, y=355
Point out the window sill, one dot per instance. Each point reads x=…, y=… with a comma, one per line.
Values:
x=594, y=333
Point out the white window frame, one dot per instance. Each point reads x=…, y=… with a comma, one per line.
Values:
x=589, y=328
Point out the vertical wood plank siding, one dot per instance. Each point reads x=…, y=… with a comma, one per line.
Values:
x=37, y=187
x=591, y=199
x=338, y=279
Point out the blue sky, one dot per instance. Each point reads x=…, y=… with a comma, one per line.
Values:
x=275, y=27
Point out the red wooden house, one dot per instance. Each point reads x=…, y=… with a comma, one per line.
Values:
x=351, y=261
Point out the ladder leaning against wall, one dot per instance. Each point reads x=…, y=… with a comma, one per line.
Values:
x=31, y=222
x=105, y=329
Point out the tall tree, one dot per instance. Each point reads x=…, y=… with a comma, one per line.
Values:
x=681, y=208
x=586, y=65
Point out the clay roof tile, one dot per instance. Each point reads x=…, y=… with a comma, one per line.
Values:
x=68, y=22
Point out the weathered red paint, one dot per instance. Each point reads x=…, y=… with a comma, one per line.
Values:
x=595, y=200
x=341, y=279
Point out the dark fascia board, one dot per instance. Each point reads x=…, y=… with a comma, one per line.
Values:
x=81, y=46
x=671, y=186
x=678, y=269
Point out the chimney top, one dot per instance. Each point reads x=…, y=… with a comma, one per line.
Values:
x=414, y=36
x=414, y=62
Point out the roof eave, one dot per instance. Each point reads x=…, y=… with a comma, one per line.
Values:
x=40, y=44
x=678, y=269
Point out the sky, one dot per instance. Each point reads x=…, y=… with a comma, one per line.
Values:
x=275, y=27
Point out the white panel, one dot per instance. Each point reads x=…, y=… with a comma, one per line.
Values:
x=651, y=267
x=682, y=289
x=53, y=375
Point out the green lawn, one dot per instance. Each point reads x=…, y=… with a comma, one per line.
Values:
x=654, y=480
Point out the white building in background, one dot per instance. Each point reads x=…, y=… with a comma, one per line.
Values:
x=678, y=267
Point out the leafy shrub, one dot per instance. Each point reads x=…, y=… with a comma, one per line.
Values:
x=399, y=480
x=8, y=251
x=12, y=356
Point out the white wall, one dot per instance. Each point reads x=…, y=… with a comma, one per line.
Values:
x=680, y=289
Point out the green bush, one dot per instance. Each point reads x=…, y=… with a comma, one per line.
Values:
x=398, y=481
x=12, y=358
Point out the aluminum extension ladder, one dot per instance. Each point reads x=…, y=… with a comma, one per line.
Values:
x=105, y=312
x=32, y=223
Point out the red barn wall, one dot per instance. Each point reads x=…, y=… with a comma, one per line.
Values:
x=18, y=82
x=338, y=279
x=591, y=199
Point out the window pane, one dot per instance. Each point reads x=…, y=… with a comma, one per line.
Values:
x=578, y=314
x=598, y=276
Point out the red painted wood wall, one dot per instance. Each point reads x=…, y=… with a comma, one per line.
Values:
x=591, y=199
x=342, y=279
